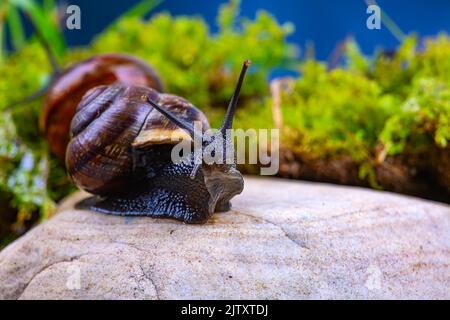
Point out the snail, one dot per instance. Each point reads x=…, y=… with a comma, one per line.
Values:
x=67, y=87
x=120, y=149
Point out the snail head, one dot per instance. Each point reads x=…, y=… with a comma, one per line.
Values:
x=223, y=180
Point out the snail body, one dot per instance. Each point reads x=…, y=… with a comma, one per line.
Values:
x=121, y=151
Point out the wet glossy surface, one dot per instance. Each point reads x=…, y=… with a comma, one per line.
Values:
x=67, y=91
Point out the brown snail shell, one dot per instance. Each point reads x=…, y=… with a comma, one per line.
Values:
x=66, y=92
x=109, y=123
x=121, y=151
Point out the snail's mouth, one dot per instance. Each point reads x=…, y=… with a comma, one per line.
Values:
x=222, y=185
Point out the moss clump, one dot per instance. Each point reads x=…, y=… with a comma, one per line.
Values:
x=381, y=121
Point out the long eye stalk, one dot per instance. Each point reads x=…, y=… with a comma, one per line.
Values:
x=227, y=121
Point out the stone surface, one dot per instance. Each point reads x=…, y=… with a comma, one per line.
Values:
x=282, y=240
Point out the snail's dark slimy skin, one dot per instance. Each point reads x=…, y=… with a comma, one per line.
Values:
x=164, y=189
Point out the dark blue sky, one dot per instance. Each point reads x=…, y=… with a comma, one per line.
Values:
x=323, y=22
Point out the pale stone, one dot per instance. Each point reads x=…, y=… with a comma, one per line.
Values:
x=282, y=240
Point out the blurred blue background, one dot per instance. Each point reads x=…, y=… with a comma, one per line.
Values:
x=322, y=22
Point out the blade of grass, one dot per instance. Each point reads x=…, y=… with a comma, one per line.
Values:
x=15, y=28
x=393, y=28
x=43, y=22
